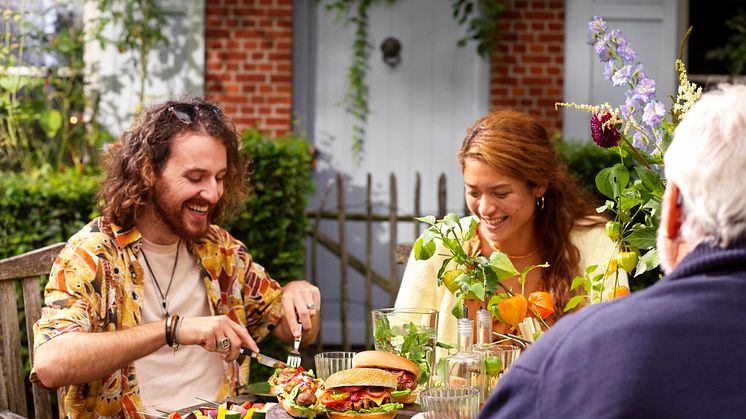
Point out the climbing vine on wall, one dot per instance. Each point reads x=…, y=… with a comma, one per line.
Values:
x=480, y=16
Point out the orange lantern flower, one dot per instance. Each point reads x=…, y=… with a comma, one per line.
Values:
x=541, y=303
x=512, y=310
x=617, y=292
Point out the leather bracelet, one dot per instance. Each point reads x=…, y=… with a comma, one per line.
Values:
x=169, y=340
x=175, y=327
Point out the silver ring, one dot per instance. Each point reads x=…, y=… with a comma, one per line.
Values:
x=311, y=306
x=224, y=343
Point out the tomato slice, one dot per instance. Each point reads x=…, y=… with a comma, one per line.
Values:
x=328, y=400
x=350, y=389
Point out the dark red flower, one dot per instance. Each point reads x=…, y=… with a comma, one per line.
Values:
x=607, y=136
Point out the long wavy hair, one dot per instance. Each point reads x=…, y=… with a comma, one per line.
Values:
x=141, y=153
x=515, y=144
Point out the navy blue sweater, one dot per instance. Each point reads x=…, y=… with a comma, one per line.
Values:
x=674, y=350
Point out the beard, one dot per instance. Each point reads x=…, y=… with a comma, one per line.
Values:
x=170, y=213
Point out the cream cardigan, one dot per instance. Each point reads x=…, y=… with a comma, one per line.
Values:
x=419, y=290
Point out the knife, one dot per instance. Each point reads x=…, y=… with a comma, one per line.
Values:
x=263, y=359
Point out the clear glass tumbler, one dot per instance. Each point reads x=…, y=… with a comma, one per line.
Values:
x=409, y=332
x=497, y=359
x=327, y=363
x=450, y=402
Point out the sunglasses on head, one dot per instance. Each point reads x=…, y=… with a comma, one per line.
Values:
x=187, y=112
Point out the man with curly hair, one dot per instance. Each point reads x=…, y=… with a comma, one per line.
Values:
x=147, y=306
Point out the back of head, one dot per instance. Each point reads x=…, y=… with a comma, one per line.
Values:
x=707, y=161
x=143, y=151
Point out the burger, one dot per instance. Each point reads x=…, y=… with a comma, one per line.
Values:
x=280, y=376
x=299, y=395
x=407, y=373
x=360, y=393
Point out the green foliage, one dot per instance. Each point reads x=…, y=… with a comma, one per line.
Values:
x=46, y=117
x=142, y=21
x=483, y=27
x=273, y=224
x=585, y=159
x=44, y=207
x=733, y=53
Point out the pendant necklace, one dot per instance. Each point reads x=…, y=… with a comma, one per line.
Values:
x=161, y=296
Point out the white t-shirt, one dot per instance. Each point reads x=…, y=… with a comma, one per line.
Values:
x=172, y=380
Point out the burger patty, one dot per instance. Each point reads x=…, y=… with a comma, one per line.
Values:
x=404, y=380
x=363, y=403
x=306, y=397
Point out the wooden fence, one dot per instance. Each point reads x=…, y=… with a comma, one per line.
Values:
x=397, y=254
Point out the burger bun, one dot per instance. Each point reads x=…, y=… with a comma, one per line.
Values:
x=405, y=399
x=370, y=377
x=387, y=360
x=292, y=411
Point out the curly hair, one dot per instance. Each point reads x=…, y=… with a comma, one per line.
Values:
x=516, y=144
x=143, y=151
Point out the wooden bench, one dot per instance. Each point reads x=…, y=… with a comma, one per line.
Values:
x=25, y=269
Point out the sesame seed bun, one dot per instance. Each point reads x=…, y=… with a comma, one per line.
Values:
x=361, y=377
x=387, y=360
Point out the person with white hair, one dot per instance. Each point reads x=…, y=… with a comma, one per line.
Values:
x=673, y=350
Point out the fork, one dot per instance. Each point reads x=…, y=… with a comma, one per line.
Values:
x=294, y=355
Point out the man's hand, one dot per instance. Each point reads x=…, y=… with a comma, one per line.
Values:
x=301, y=301
x=208, y=332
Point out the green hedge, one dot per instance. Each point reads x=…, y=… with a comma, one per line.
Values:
x=44, y=207
x=273, y=224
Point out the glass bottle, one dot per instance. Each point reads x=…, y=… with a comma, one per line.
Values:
x=484, y=327
x=465, y=367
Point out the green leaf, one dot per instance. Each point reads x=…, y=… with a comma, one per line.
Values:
x=427, y=219
x=478, y=290
x=574, y=301
x=651, y=180
x=502, y=266
x=51, y=122
x=576, y=282
x=472, y=230
x=422, y=250
x=647, y=262
x=642, y=236
x=612, y=180
x=452, y=220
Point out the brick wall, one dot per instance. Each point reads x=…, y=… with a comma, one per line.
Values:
x=527, y=71
x=249, y=61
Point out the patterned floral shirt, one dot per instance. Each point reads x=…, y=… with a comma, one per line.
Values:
x=96, y=285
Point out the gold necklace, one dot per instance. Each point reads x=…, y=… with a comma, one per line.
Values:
x=516, y=257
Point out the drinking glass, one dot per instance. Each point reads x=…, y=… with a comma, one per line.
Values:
x=448, y=402
x=327, y=363
x=497, y=359
x=409, y=332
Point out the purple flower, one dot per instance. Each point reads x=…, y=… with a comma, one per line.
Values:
x=604, y=135
x=653, y=113
x=596, y=27
x=645, y=90
x=602, y=50
x=625, y=51
x=629, y=107
x=621, y=76
x=609, y=70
